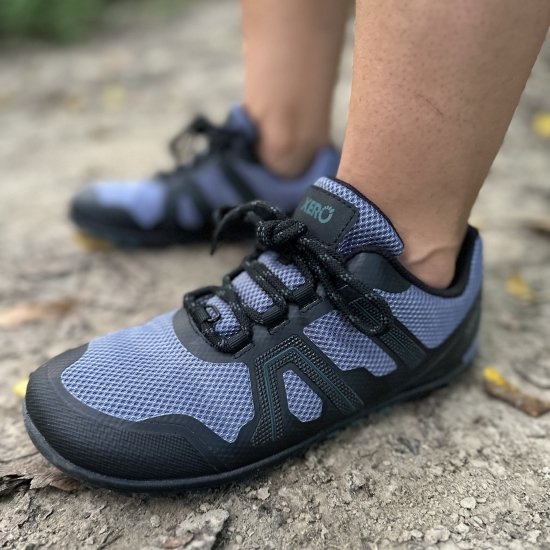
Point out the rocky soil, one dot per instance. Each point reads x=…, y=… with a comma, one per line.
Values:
x=455, y=470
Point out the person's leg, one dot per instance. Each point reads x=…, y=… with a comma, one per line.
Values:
x=291, y=53
x=435, y=85
x=281, y=131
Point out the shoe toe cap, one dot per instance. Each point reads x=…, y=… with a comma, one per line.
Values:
x=89, y=211
x=141, y=202
x=89, y=444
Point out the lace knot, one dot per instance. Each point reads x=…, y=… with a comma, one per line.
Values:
x=276, y=233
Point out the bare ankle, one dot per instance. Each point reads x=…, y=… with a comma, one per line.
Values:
x=288, y=144
x=434, y=265
x=286, y=158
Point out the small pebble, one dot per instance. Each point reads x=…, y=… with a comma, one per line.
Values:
x=155, y=521
x=356, y=480
x=262, y=493
x=469, y=503
x=437, y=534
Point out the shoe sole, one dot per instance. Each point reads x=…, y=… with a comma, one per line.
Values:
x=165, y=486
x=128, y=238
x=155, y=238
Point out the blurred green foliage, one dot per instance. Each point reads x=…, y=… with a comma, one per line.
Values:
x=61, y=20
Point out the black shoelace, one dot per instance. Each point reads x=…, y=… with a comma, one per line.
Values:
x=318, y=263
x=219, y=139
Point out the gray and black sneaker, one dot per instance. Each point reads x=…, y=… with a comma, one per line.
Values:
x=180, y=206
x=318, y=328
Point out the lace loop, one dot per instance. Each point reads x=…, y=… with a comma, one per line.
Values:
x=318, y=262
x=218, y=138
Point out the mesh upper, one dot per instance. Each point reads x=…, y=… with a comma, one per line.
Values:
x=433, y=318
x=252, y=295
x=371, y=228
x=347, y=347
x=303, y=402
x=227, y=325
x=289, y=274
x=144, y=372
x=145, y=200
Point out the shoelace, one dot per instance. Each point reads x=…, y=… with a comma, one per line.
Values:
x=218, y=139
x=318, y=263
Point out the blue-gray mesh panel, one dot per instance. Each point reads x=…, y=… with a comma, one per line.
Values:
x=145, y=372
x=227, y=325
x=250, y=293
x=433, y=318
x=347, y=347
x=303, y=402
x=372, y=228
x=143, y=200
x=289, y=274
x=287, y=193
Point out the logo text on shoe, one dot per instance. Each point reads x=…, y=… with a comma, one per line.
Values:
x=322, y=213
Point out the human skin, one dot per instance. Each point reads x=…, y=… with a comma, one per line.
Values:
x=435, y=85
x=291, y=55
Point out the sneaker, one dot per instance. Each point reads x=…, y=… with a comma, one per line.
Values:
x=180, y=206
x=318, y=328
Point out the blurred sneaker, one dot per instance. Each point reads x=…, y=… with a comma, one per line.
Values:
x=320, y=327
x=180, y=206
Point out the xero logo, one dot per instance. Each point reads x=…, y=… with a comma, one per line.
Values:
x=322, y=213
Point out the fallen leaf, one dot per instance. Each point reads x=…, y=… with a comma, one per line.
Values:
x=541, y=125
x=36, y=472
x=89, y=242
x=517, y=287
x=497, y=386
x=20, y=389
x=31, y=312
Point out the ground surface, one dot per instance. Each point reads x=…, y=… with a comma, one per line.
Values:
x=456, y=470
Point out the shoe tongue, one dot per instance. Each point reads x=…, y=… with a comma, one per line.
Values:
x=342, y=217
x=239, y=121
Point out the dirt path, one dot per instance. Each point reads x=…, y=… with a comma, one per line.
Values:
x=455, y=470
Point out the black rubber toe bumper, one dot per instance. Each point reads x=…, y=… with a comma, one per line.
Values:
x=117, y=226
x=107, y=222
x=79, y=439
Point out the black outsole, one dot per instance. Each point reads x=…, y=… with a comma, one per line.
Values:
x=129, y=238
x=155, y=238
x=168, y=486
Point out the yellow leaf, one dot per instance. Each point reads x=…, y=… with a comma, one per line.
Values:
x=21, y=388
x=517, y=287
x=541, y=125
x=89, y=242
x=112, y=97
x=492, y=375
